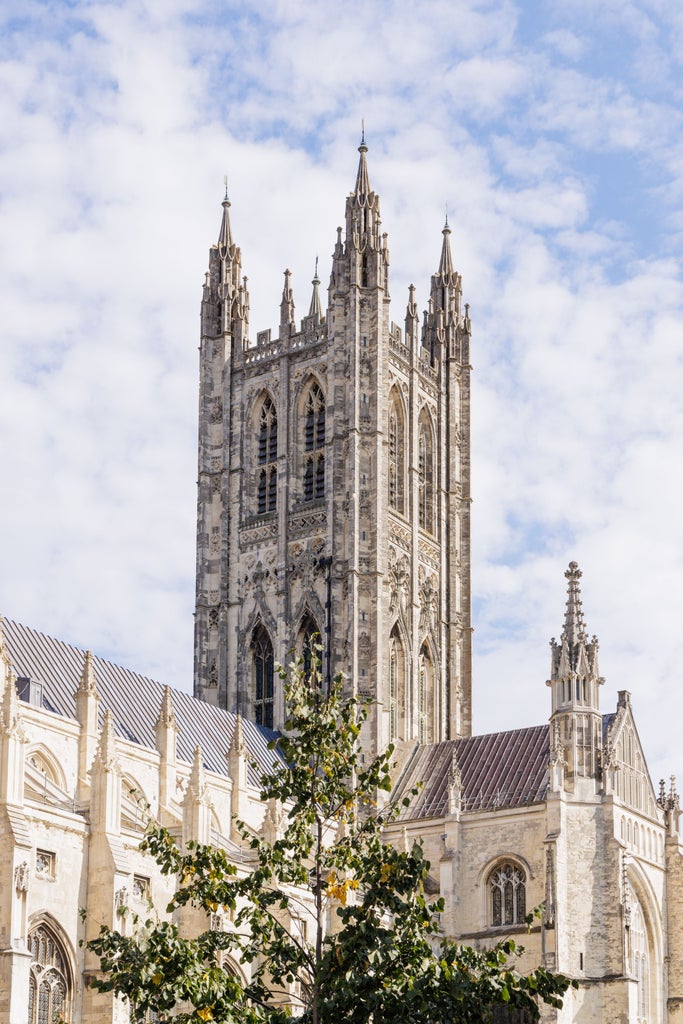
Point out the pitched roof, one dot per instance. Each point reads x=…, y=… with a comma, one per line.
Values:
x=500, y=769
x=133, y=700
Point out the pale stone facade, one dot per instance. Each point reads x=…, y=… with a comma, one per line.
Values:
x=334, y=498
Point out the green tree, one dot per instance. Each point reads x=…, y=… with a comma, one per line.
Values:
x=380, y=960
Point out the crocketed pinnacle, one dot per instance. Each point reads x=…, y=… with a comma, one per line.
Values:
x=362, y=190
x=225, y=236
x=574, y=630
x=166, y=713
x=87, y=682
x=315, y=308
x=446, y=270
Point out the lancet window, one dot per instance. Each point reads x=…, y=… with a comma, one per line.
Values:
x=314, y=444
x=263, y=690
x=640, y=961
x=49, y=991
x=307, y=644
x=396, y=684
x=507, y=887
x=425, y=456
x=396, y=455
x=425, y=686
x=267, y=457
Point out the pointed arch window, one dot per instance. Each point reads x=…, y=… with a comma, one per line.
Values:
x=640, y=960
x=308, y=642
x=267, y=457
x=425, y=466
x=263, y=674
x=425, y=685
x=50, y=989
x=396, y=684
x=314, y=444
x=396, y=455
x=507, y=888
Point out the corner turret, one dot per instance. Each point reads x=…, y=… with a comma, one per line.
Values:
x=574, y=682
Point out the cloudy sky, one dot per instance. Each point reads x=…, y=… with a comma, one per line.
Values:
x=553, y=133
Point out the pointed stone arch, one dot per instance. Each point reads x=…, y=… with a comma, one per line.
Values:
x=426, y=690
x=261, y=695
x=644, y=943
x=311, y=427
x=264, y=454
x=398, y=661
x=44, y=777
x=134, y=804
x=396, y=450
x=52, y=971
x=427, y=475
x=308, y=634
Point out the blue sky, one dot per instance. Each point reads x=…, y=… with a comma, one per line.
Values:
x=553, y=133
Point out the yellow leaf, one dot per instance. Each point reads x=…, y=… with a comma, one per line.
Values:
x=157, y=979
x=205, y=1013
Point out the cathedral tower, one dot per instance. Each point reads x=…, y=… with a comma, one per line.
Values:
x=334, y=488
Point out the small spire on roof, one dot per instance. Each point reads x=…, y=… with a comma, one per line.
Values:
x=225, y=235
x=237, y=743
x=106, y=754
x=166, y=713
x=88, y=683
x=574, y=630
x=315, y=307
x=446, y=262
x=362, y=189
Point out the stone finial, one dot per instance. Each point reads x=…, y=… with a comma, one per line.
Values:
x=87, y=683
x=238, y=744
x=196, y=786
x=574, y=630
x=225, y=242
x=106, y=756
x=362, y=189
x=315, y=308
x=454, y=784
x=10, y=712
x=446, y=271
x=287, y=303
x=4, y=653
x=166, y=713
x=557, y=757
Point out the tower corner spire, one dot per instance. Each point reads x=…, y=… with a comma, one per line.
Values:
x=225, y=241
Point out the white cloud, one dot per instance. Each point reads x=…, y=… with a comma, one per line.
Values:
x=122, y=120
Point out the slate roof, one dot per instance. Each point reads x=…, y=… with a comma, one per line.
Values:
x=133, y=700
x=500, y=769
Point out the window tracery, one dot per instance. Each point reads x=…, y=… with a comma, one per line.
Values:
x=267, y=457
x=49, y=994
x=308, y=639
x=263, y=688
x=314, y=444
x=507, y=886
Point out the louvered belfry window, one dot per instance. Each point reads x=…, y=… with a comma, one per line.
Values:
x=49, y=993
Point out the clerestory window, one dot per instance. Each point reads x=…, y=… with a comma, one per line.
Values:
x=507, y=887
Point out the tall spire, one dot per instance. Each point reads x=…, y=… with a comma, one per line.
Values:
x=574, y=630
x=315, y=308
x=225, y=236
x=446, y=270
x=362, y=189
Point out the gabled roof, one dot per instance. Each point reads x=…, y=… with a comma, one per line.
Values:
x=133, y=700
x=500, y=769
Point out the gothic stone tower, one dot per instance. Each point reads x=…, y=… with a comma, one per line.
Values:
x=334, y=489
